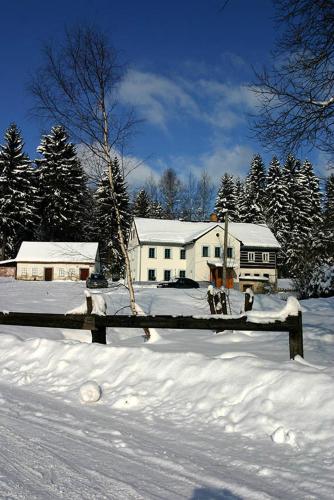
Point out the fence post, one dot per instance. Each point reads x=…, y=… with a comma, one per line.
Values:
x=296, y=337
x=249, y=300
x=210, y=301
x=98, y=332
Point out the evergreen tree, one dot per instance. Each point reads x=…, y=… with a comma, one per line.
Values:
x=239, y=191
x=62, y=188
x=106, y=220
x=141, y=206
x=156, y=211
x=329, y=207
x=276, y=196
x=18, y=198
x=254, y=199
x=226, y=200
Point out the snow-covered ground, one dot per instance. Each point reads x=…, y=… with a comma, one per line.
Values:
x=192, y=414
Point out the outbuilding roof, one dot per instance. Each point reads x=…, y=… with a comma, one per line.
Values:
x=181, y=232
x=51, y=251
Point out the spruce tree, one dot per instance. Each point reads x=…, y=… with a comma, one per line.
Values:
x=239, y=191
x=18, y=194
x=328, y=215
x=254, y=200
x=141, y=206
x=106, y=223
x=226, y=200
x=156, y=211
x=276, y=199
x=62, y=188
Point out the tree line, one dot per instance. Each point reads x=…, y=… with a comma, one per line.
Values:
x=51, y=198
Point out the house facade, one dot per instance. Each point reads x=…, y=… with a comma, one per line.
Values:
x=48, y=261
x=161, y=250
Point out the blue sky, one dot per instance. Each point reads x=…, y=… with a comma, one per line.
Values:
x=189, y=63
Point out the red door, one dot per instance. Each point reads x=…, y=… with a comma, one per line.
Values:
x=48, y=273
x=229, y=278
x=84, y=273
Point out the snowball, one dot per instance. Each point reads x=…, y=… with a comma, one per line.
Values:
x=90, y=392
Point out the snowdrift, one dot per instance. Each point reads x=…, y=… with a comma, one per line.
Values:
x=290, y=402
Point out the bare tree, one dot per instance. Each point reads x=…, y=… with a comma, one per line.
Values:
x=77, y=87
x=205, y=192
x=296, y=94
x=170, y=192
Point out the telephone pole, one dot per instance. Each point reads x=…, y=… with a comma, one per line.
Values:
x=225, y=250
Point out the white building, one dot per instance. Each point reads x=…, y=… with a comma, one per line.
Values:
x=44, y=260
x=161, y=250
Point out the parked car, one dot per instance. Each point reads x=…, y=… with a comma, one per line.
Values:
x=96, y=280
x=179, y=283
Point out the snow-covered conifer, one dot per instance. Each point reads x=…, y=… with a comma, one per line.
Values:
x=252, y=206
x=141, y=206
x=63, y=189
x=18, y=194
x=106, y=199
x=226, y=200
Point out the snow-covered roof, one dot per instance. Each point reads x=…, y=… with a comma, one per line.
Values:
x=50, y=251
x=181, y=232
x=8, y=261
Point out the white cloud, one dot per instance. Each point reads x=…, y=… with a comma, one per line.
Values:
x=160, y=99
x=155, y=96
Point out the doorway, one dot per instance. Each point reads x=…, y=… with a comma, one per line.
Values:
x=84, y=273
x=48, y=273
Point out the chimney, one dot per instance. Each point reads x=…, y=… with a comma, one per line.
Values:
x=213, y=217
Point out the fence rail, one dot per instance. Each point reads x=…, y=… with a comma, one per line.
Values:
x=98, y=324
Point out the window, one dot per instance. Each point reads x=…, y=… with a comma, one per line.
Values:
x=229, y=252
x=217, y=251
x=151, y=275
x=167, y=253
x=265, y=275
x=256, y=274
x=35, y=271
x=205, y=251
x=24, y=271
x=265, y=256
x=151, y=253
x=182, y=253
x=182, y=274
x=61, y=272
x=71, y=271
x=251, y=256
x=247, y=274
x=167, y=275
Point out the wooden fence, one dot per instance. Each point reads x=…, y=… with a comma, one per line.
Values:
x=98, y=324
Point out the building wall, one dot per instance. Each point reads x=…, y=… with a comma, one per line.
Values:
x=7, y=272
x=159, y=263
x=212, y=239
x=34, y=271
x=262, y=272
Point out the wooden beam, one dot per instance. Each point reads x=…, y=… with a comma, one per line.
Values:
x=82, y=321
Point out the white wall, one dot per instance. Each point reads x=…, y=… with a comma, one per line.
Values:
x=61, y=271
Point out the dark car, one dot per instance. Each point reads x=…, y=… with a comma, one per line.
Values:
x=96, y=280
x=179, y=283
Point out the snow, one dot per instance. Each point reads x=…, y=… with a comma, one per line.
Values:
x=192, y=415
x=181, y=232
x=90, y=392
x=46, y=251
x=99, y=305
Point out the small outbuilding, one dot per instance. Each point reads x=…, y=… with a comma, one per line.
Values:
x=48, y=261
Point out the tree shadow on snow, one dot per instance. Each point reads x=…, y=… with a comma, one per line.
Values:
x=213, y=494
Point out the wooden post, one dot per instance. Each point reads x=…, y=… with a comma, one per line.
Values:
x=296, y=337
x=248, y=301
x=98, y=332
x=211, y=303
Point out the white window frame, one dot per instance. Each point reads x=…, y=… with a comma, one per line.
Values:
x=205, y=256
x=184, y=273
x=183, y=250
x=232, y=252
x=265, y=257
x=24, y=271
x=220, y=252
x=34, y=271
x=61, y=272
x=155, y=252
x=148, y=274
x=71, y=271
x=251, y=256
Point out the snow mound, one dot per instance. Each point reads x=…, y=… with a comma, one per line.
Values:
x=90, y=392
x=98, y=303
